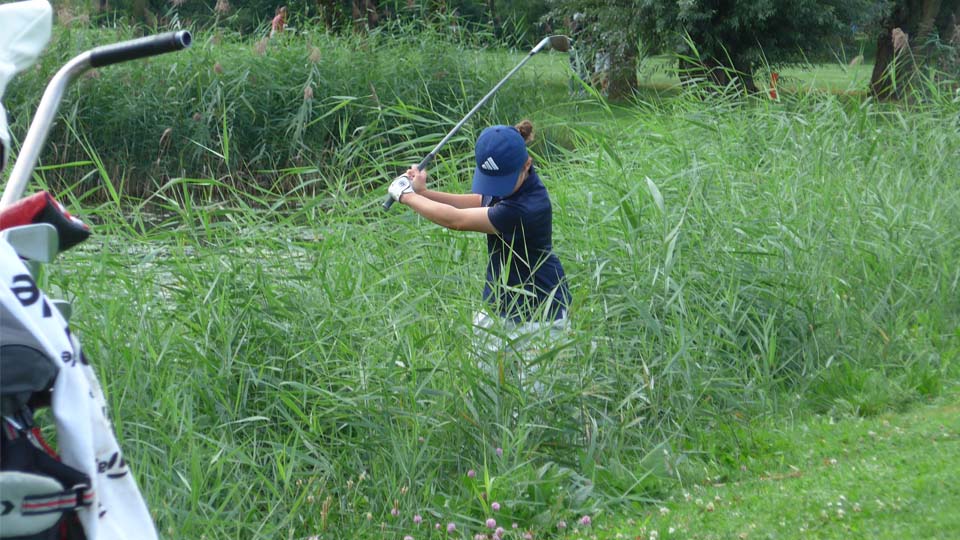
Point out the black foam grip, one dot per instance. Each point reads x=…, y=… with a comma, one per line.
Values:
x=140, y=48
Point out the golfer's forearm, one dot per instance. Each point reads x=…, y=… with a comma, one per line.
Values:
x=456, y=200
x=440, y=213
x=437, y=212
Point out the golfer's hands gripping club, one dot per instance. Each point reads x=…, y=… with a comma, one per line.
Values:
x=400, y=187
x=417, y=178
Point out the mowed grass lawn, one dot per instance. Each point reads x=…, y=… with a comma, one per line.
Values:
x=894, y=476
x=659, y=72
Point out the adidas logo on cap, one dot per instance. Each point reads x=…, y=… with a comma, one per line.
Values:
x=490, y=165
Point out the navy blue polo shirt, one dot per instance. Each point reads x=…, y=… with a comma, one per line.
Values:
x=524, y=247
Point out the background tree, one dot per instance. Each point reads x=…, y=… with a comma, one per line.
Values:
x=606, y=27
x=733, y=38
x=718, y=40
x=915, y=32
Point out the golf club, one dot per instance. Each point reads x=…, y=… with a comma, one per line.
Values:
x=557, y=43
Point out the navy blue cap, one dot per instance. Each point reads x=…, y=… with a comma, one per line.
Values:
x=501, y=154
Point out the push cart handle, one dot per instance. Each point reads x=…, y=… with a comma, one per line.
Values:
x=139, y=48
x=53, y=94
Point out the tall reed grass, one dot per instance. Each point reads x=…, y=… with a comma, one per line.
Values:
x=236, y=109
x=310, y=372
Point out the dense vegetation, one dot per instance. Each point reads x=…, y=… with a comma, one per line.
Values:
x=725, y=42
x=310, y=371
x=282, y=359
x=233, y=107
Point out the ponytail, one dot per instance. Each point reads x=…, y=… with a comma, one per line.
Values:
x=525, y=127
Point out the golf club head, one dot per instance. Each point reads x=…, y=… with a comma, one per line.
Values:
x=65, y=308
x=560, y=43
x=36, y=242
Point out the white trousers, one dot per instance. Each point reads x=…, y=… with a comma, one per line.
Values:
x=495, y=334
x=509, y=349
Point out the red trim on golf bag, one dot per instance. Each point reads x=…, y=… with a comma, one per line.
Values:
x=43, y=443
x=41, y=207
x=23, y=211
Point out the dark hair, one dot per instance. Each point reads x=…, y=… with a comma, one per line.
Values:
x=525, y=127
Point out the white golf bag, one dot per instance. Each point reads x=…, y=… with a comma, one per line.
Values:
x=83, y=489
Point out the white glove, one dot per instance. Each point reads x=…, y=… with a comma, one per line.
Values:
x=399, y=187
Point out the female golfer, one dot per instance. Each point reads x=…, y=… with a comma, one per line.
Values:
x=525, y=283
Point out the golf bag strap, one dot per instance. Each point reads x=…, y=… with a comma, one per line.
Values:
x=36, y=507
x=38, y=438
x=57, y=501
x=23, y=449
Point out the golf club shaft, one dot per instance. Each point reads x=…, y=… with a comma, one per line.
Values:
x=551, y=40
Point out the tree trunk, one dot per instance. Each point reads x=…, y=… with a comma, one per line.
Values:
x=622, y=79
x=926, y=23
x=881, y=82
x=373, y=18
x=493, y=17
x=356, y=13
x=920, y=20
